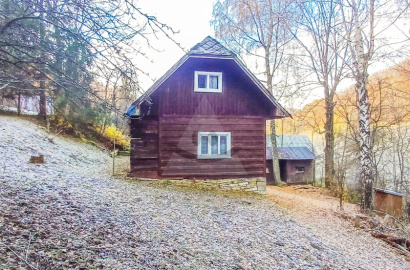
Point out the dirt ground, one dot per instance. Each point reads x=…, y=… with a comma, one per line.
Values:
x=70, y=213
x=319, y=211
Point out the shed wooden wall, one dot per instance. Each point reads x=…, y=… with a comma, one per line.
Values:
x=388, y=203
x=288, y=171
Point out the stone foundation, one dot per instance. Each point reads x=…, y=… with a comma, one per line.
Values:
x=256, y=184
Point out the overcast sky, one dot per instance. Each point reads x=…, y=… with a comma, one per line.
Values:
x=190, y=17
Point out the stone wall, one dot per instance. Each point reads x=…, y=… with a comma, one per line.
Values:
x=256, y=184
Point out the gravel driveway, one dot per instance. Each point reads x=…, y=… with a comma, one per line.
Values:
x=69, y=213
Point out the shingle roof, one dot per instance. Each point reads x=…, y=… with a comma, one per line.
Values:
x=210, y=46
x=291, y=153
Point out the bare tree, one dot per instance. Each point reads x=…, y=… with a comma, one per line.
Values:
x=257, y=28
x=321, y=36
x=61, y=46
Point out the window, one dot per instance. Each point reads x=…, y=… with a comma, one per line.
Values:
x=208, y=82
x=214, y=145
x=300, y=169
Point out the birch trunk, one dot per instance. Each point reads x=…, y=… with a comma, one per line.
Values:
x=361, y=76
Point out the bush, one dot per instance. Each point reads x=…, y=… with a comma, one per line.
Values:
x=120, y=140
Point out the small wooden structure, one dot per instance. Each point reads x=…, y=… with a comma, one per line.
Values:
x=389, y=202
x=296, y=159
x=204, y=119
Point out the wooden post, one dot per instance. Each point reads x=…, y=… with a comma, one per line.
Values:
x=19, y=104
x=113, y=159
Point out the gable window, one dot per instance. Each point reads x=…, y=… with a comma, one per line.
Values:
x=208, y=82
x=214, y=145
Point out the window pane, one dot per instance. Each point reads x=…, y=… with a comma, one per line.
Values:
x=214, y=144
x=213, y=82
x=201, y=81
x=204, y=145
x=223, y=145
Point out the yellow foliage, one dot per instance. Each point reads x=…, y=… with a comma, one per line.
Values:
x=389, y=98
x=112, y=132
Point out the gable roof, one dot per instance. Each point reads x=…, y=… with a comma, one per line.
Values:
x=208, y=48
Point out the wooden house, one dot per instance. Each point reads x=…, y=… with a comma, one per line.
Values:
x=203, y=119
x=296, y=159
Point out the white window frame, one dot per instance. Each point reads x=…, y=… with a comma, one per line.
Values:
x=214, y=156
x=207, y=89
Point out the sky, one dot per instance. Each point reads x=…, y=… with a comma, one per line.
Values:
x=190, y=17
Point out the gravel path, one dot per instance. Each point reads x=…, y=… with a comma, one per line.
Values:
x=69, y=213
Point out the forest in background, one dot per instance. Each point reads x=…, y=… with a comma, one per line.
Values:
x=389, y=97
x=82, y=58
x=304, y=46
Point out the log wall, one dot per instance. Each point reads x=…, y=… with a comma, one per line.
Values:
x=179, y=142
x=144, y=147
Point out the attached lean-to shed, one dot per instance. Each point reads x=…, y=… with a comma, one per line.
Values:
x=296, y=159
x=204, y=119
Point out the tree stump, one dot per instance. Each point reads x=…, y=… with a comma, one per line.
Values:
x=37, y=159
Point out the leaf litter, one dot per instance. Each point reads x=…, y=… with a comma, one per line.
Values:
x=69, y=213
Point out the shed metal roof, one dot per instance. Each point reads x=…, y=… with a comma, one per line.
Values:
x=208, y=48
x=291, y=153
x=290, y=140
x=389, y=192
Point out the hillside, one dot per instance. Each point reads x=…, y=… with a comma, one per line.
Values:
x=70, y=213
x=389, y=96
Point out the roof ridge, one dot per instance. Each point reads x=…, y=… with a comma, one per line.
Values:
x=210, y=46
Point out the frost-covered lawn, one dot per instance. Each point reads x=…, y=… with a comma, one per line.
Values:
x=69, y=213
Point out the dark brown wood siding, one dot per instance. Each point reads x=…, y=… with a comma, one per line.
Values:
x=144, y=147
x=239, y=95
x=179, y=144
x=241, y=109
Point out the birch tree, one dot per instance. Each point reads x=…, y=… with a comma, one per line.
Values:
x=365, y=22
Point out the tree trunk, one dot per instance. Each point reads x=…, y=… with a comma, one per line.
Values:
x=361, y=76
x=19, y=104
x=43, y=100
x=366, y=175
x=329, y=142
x=275, y=155
x=58, y=60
